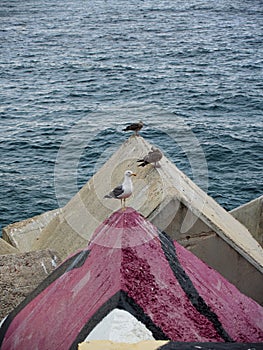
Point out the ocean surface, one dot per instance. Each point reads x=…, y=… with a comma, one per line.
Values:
x=73, y=73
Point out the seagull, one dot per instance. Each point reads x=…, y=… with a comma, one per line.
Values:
x=136, y=127
x=124, y=190
x=152, y=157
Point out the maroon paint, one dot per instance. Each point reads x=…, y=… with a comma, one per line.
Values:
x=241, y=316
x=125, y=253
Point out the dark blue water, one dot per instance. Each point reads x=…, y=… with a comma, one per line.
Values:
x=74, y=72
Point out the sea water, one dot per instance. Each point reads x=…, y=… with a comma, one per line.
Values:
x=74, y=73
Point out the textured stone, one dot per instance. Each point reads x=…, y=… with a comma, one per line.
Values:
x=21, y=273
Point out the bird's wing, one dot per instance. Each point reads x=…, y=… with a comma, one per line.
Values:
x=154, y=156
x=144, y=159
x=134, y=126
x=117, y=191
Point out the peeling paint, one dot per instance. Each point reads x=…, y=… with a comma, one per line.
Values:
x=44, y=267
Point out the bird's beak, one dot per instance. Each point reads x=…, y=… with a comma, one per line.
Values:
x=133, y=174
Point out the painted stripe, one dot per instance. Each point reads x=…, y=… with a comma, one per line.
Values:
x=188, y=287
x=122, y=301
x=96, y=318
x=127, y=303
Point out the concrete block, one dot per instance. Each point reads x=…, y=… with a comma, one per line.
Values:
x=21, y=273
x=73, y=227
x=131, y=283
x=251, y=216
x=6, y=248
x=22, y=234
x=60, y=236
x=168, y=198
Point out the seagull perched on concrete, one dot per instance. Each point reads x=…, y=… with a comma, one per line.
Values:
x=152, y=157
x=124, y=190
x=136, y=127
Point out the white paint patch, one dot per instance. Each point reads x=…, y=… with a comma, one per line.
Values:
x=54, y=261
x=44, y=267
x=120, y=326
x=219, y=285
x=2, y=321
x=81, y=284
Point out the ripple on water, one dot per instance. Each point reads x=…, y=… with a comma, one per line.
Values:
x=190, y=70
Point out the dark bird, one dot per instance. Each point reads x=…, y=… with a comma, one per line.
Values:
x=124, y=190
x=136, y=127
x=152, y=157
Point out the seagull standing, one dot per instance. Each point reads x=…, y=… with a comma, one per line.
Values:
x=124, y=190
x=136, y=127
x=152, y=157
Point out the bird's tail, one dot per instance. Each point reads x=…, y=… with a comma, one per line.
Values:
x=107, y=196
x=143, y=162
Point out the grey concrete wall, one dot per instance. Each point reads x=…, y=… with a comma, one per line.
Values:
x=6, y=248
x=22, y=234
x=251, y=216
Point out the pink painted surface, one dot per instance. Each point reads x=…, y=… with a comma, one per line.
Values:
x=55, y=317
x=240, y=316
x=126, y=254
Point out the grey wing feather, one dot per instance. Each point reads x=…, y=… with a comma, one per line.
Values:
x=151, y=157
x=131, y=127
x=117, y=191
x=154, y=156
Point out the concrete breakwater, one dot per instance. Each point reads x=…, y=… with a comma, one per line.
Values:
x=168, y=198
x=132, y=282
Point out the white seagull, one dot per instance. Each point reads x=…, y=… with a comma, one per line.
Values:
x=152, y=157
x=124, y=190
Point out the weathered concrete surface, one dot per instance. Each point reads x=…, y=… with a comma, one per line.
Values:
x=173, y=203
x=20, y=274
x=6, y=248
x=22, y=234
x=108, y=345
x=164, y=345
x=251, y=216
x=87, y=209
